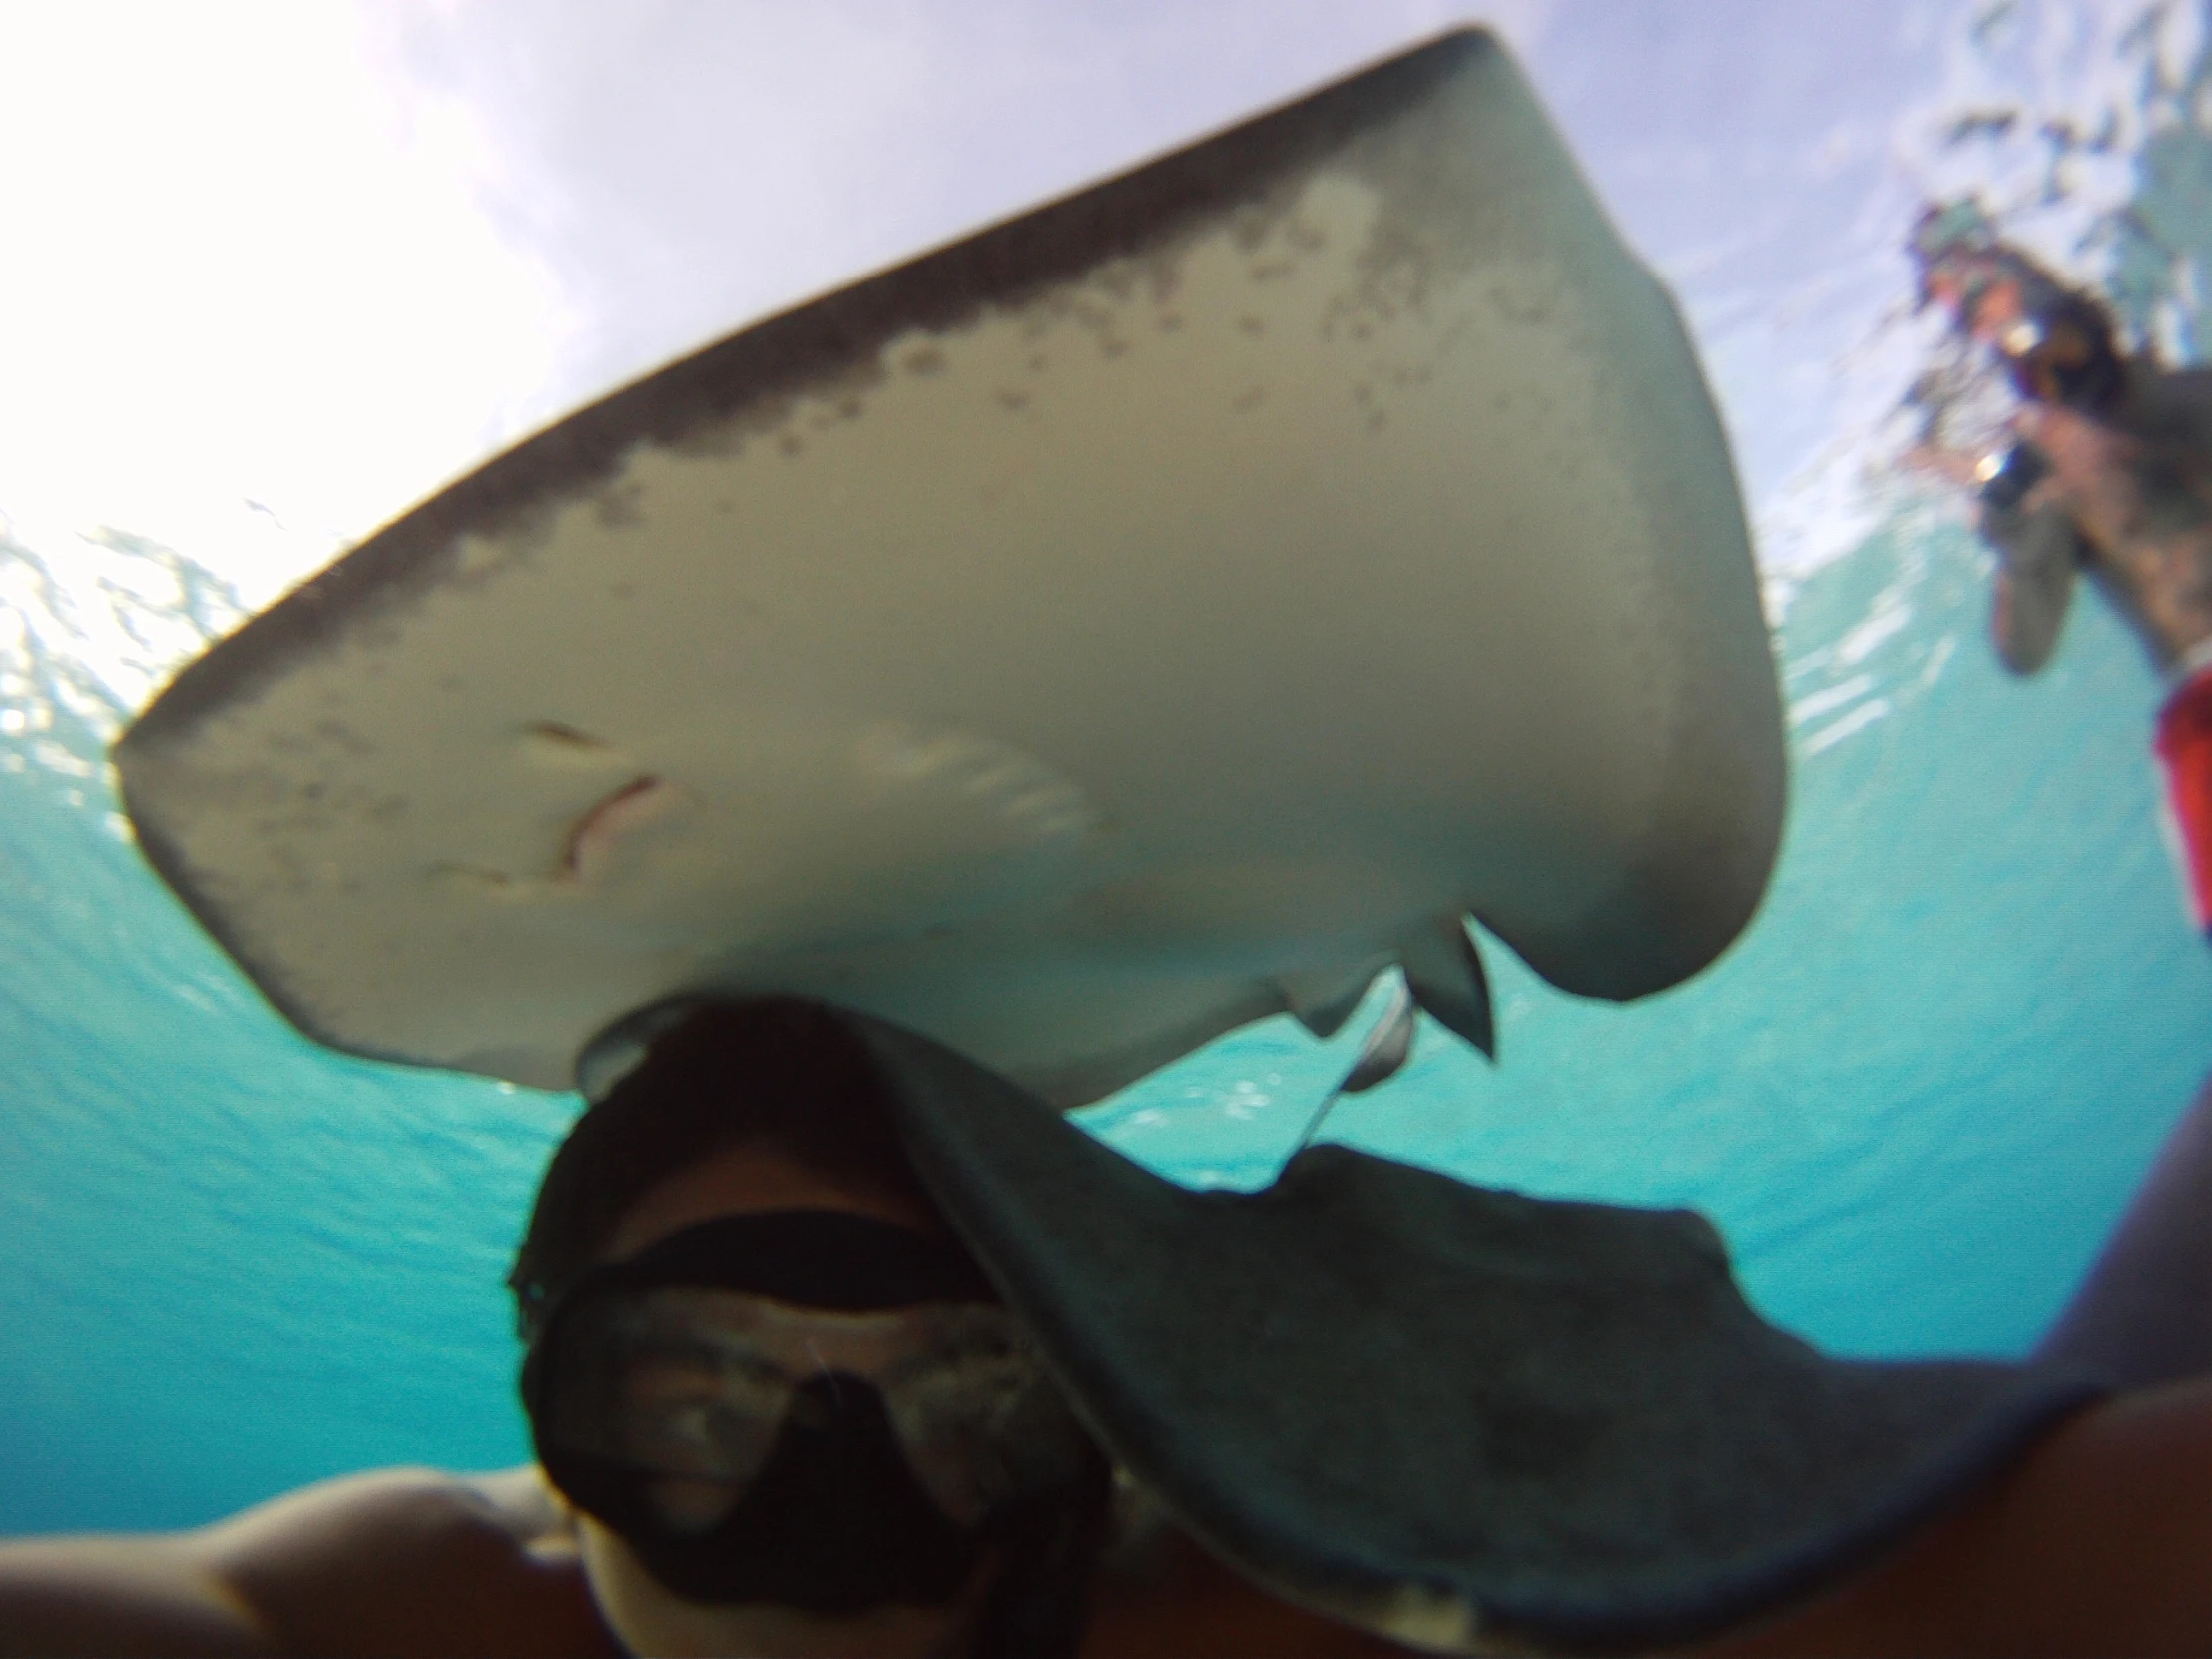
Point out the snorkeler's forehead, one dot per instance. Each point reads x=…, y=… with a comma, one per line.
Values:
x=753, y=1178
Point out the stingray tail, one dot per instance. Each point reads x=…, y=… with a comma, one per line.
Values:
x=1388, y=1047
x=1444, y=970
x=1442, y=977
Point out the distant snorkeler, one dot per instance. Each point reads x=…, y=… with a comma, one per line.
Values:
x=2109, y=472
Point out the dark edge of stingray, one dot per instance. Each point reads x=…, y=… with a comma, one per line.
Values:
x=806, y=346
x=1371, y=1379
x=262, y=976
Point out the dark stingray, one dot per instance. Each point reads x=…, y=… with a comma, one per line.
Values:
x=1461, y=1417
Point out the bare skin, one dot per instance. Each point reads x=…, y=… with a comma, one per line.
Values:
x=398, y=1563
x=2093, y=1544
x=2127, y=501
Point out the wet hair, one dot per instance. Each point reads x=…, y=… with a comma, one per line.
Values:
x=778, y=1071
x=2070, y=352
x=2074, y=360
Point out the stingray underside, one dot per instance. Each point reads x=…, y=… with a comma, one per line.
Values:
x=1172, y=606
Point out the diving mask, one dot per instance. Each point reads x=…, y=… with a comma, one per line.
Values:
x=808, y=1407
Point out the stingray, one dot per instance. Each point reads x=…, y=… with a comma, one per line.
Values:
x=1173, y=606
x=1471, y=1419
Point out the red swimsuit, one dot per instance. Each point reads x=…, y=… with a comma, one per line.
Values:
x=2184, y=743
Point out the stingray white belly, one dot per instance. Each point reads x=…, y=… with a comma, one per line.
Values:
x=1141, y=616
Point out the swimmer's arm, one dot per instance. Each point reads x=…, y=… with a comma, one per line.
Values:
x=2175, y=409
x=2095, y=1544
x=2037, y=549
x=118, y=1596
x=391, y=1564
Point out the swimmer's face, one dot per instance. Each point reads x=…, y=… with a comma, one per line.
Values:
x=649, y=1617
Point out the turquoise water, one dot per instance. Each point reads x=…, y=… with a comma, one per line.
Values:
x=1915, y=1095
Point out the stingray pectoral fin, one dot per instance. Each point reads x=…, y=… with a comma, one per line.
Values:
x=1388, y=1047
x=1467, y=1418
x=984, y=644
x=1444, y=970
